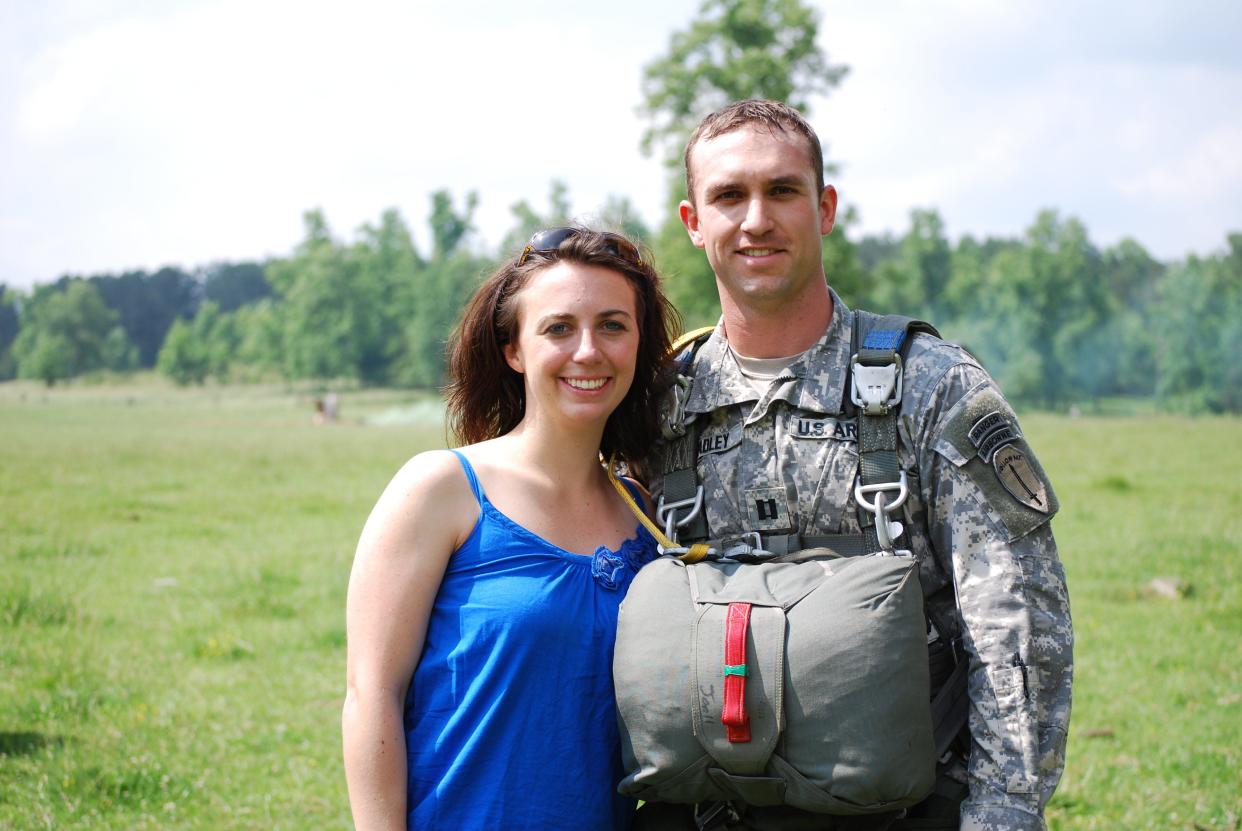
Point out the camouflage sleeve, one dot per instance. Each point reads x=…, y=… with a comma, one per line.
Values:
x=989, y=510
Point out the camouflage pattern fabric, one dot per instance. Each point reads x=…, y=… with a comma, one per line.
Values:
x=977, y=520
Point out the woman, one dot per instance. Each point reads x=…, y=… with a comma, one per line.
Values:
x=502, y=564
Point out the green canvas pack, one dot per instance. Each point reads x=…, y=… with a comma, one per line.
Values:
x=834, y=672
x=794, y=679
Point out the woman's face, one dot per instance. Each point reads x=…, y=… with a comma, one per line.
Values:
x=577, y=343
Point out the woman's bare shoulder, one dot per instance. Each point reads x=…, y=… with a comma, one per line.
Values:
x=430, y=490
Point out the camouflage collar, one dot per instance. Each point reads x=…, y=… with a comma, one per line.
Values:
x=814, y=382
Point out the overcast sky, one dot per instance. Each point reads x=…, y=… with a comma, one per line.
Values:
x=139, y=133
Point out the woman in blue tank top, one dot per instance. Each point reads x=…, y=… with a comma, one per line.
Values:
x=483, y=599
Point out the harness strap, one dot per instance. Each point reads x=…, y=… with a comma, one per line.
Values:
x=881, y=348
x=681, y=479
x=949, y=708
x=786, y=545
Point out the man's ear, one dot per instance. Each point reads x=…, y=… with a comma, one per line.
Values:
x=827, y=210
x=690, y=218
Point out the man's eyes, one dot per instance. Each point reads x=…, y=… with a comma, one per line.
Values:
x=736, y=195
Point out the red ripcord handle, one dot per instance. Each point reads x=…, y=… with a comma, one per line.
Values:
x=734, y=718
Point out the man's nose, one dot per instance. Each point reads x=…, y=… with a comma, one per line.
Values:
x=757, y=220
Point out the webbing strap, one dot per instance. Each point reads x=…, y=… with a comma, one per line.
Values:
x=788, y=545
x=681, y=481
x=733, y=716
x=877, y=434
x=882, y=338
x=949, y=707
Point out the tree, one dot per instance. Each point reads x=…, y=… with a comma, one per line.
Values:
x=842, y=263
x=1199, y=330
x=528, y=220
x=63, y=332
x=147, y=304
x=330, y=318
x=117, y=352
x=448, y=227
x=389, y=270
x=260, y=344
x=733, y=50
x=1044, y=316
x=9, y=323
x=620, y=215
x=233, y=285
x=443, y=284
x=183, y=358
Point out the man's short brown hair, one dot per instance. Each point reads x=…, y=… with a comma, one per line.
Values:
x=761, y=114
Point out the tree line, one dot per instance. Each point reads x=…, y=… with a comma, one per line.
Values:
x=1059, y=320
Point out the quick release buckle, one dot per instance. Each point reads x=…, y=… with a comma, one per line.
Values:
x=876, y=389
x=743, y=546
x=886, y=530
x=714, y=815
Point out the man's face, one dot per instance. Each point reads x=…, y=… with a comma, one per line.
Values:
x=759, y=217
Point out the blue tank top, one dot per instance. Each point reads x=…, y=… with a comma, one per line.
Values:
x=510, y=719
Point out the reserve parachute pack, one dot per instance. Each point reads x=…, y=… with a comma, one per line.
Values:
x=786, y=670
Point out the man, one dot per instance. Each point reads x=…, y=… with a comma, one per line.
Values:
x=776, y=453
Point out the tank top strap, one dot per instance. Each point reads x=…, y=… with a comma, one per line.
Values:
x=470, y=476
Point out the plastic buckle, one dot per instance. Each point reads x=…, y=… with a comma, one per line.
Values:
x=717, y=815
x=673, y=424
x=876, y=389
x=886, y=530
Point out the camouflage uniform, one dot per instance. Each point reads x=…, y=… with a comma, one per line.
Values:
x=786, y=462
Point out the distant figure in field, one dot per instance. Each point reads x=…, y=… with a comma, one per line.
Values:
x=483, y=600
x=327, y=408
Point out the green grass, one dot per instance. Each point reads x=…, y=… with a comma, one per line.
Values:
x=172, y=579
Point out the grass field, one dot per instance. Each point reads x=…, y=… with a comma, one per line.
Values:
x=172, y=575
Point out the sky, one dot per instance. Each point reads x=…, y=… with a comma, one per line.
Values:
x=143, y=133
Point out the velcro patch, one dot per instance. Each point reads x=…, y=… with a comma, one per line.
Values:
x=992, y=432
x=980, y=436
x=1015, y=472
x=719, y=439
x=767, y=508
x=843, y=429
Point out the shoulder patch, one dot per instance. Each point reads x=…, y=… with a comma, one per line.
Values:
x=1017, y=475
x=980, y=436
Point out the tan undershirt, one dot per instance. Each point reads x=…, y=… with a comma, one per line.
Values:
x=759, y=372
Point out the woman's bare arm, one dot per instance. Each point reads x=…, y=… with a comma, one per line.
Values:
x=423, y=515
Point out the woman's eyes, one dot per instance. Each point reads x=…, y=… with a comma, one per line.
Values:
x=560, y=329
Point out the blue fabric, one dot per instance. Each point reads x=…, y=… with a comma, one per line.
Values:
x=884, y=339
x=510, y=719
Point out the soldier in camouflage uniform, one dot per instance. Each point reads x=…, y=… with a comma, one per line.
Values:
x=777, y=454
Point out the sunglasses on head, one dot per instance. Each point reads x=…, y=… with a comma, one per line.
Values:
x=552, y=239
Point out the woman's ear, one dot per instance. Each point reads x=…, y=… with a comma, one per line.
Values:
x=513, y=357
